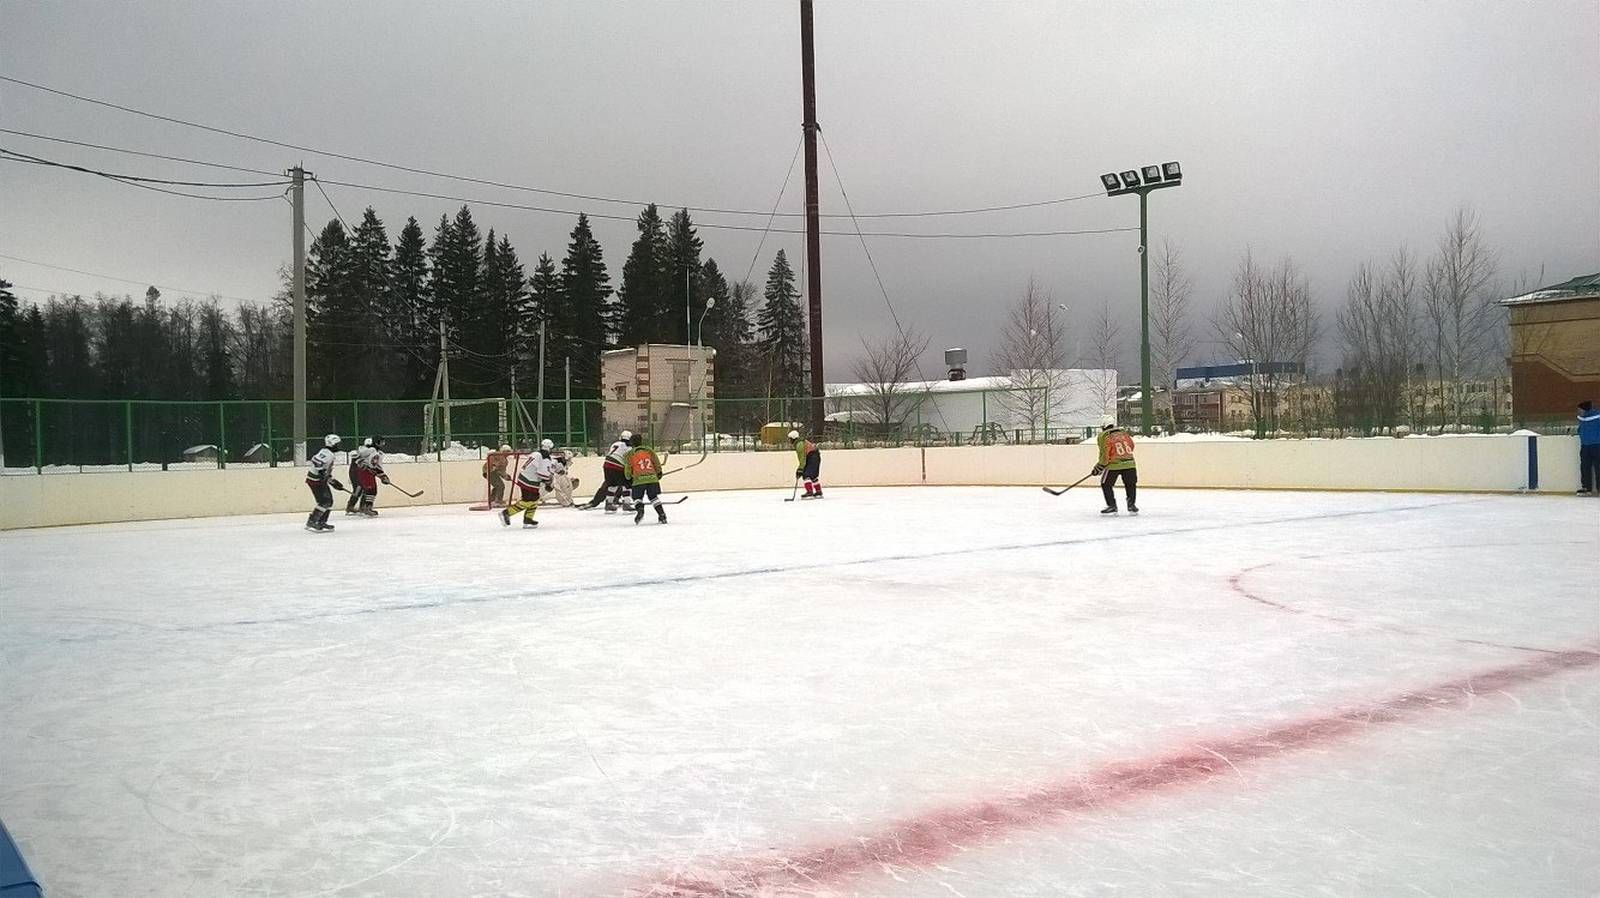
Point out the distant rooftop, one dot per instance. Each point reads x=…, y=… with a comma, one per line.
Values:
x=1580, y=287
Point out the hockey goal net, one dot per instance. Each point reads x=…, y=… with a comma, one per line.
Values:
x=499, y=479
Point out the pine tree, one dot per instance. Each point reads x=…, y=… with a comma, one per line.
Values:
x=10, y=344
x=333, y=325
x=683, y=279
x=586, y=312
x=646, y=292
x=373, y=362
x=783, y=332
x=441, y=286
x=408, y=316
x=546, y=305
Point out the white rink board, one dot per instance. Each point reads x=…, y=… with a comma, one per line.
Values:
x=429, y=704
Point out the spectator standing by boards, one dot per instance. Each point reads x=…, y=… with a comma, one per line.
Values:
x=1588, y=449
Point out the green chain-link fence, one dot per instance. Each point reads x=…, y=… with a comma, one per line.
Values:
x=46, y=434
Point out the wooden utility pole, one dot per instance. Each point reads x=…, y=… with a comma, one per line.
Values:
x=298, y=196
x=808, y=80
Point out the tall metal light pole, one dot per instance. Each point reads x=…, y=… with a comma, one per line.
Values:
x=705, y=366
x=1142, y=181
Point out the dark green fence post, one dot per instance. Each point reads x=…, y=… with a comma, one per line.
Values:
x=222, y=435
x=355, y=420
x=38, y=436
x=127, y=427
x=272, y=454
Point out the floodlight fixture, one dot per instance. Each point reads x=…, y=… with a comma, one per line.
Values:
x=1142, y=181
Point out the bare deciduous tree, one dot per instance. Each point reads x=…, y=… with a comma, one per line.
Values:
x=1031, y=353
x=1378, y=326
x=884, y=369
x=1105, y=347
x=1460, y=311
x=1171, y=337
x=1268, y=317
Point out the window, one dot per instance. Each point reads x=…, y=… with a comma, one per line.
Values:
x=680, y=381
x=620, y=391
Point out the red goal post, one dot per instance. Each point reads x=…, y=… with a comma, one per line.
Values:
x=507, y=462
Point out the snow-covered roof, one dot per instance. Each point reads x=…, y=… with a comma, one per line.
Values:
x=969, y=385
x=1580, y=287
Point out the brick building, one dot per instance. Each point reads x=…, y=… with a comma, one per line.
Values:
x=658, y=389
x=1555, y=349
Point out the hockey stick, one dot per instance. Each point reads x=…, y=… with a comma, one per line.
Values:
x=400, y=489
x=1065, y=488
x=795, y=491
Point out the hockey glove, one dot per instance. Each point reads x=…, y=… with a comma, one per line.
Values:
x=384, y=478
x=334, y=482
x=1098, y=470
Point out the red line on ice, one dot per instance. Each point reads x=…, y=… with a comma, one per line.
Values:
x=937, y=835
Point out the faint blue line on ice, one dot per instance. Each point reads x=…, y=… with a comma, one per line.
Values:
x=747, y=572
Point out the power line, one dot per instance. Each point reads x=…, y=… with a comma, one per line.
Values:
x=25, y=157
x=141, y=182
x=775, y=203
x=107, y=277
x=916, y=362
x=130, y=152
x=335, y=209
x=724, y=227
x=522, y=187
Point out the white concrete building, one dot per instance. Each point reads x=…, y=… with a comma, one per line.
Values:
x=1031, y=401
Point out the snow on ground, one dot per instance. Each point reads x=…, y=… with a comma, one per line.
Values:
x=892, y=692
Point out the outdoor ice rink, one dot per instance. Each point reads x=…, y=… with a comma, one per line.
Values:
x=892, y=692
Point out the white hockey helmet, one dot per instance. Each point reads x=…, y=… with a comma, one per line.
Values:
x=547, y=444
x=794, y=434
x=504, y=448
x=367, y=441
x=626, y=435
x=331, y=440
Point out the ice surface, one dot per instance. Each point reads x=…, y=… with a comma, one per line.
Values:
x=891, y=692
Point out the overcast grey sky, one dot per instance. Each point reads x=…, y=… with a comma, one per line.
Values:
x=1330, y=132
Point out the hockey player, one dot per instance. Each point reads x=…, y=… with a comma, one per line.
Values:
x=644, y=470
x=319, y=477
x=369, y=471
x=1116, y=460
x=494, y=471
x=614, y=490
x=532, y=480
x=809, y=459
x=352, y=503
x=561, y=482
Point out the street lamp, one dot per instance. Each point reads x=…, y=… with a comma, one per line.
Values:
x=705, y=367
x=1141, y=181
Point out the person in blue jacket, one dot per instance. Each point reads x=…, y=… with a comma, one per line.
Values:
x=1588, y=448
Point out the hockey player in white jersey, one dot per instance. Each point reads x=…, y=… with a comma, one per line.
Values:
x=532, y=480
x=614, y=491
x=368, y=467
x=319, y=477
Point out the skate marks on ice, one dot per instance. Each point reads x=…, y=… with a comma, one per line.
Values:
x=933, y=837
x=610, y=590
x=1239, y=583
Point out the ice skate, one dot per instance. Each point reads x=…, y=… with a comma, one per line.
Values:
x=529, y=523
x=1133, y=509
x=1109, y=509
x=505, y=517
x=638, y=515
